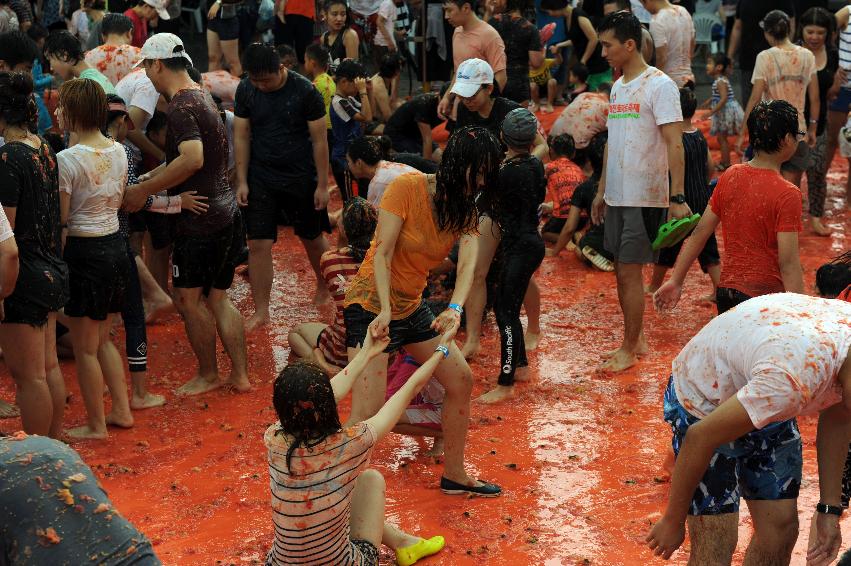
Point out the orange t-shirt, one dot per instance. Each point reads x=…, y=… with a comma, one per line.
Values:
x=306, y=8
x=482, y=42
x=563, y=176
x=754, y=205
x=420, y=247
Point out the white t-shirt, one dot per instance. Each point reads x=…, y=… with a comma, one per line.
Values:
x=673, y=29
x=5, y=227
x=388, y=12
x=95, y=179
x=137, y=90
x=778, y=354
x=637, y=166
x=386, y=172
x=640, y=11
x=365, y=7
x=787, y=74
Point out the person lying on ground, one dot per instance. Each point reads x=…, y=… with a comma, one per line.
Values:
x=343, y=521
x=60, y=513
x=732, y=399
x=761, y=215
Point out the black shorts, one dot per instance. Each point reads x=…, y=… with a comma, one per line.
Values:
x=226, y=28
x=208, y=262
x=98, y=274
x=553, y=225
x=159, y=226
x=726, y=298
x=41, y=288
x=136, y=221
x=708, y=257
x=411, y=330
x=267, y=199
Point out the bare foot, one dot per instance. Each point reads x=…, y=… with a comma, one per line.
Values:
x=710, y=298
x=620, y=361
x=531, y=340
x=147, y=402
x=436, y=448
x=547, y=109
x=500, y=393
x=158, y=309
x=471, y=349
x=198, y=385
x=121, y=421
x=238, y=384
x=8, y=411
x=642, y=350
x=322, y=295
x=329, y=368
x=256, y=322
x=819, y=229
x=86, y=433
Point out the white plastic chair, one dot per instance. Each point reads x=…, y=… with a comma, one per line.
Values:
x=703, y=24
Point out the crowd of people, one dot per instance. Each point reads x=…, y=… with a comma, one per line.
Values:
x=132, y=183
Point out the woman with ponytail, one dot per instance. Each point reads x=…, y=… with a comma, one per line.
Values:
x=321, y=343
x=29, y=193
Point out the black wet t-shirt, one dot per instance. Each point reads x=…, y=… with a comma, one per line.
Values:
x=29, y=182
x=501, y=108
x=420, y=109
x=192, y=115
x=522, y=188
x=281, y=148
x=520, y=37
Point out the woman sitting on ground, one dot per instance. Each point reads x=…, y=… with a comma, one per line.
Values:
x=324, y=497
x=325, y=344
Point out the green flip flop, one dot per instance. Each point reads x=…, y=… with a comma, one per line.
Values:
x=674, y=231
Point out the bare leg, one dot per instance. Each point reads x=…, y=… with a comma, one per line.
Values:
x=55, y=381
x=23, y=348
x=533, y=104
x=367, y=507
x=302, y=339
x=713, y=539
x=715, y=276
x=156, y=301
x=631, y=297
x=230, y=49
x=315, y=248
x=532, y=304
x=724, y=144
x=775, y=532
x=214, y=51
x=369, y=389
x=112, y=368
x=232, y=334
x=475, y=306
x=141, y=397
x=657, y=279
x=394, y=538
x=85, y=335
x=157, y=262
x=457, y=379
x=261, y=275
x=201, y=331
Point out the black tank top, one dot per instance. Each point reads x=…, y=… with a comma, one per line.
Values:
x=337, y=50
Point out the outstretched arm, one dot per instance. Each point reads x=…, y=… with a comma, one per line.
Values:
x=342, y=383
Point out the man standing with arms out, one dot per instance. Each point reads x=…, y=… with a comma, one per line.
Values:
x=473, y=39
x=734, y=393
x=645, y=140
x=207, y=248
x=673, y=34
x=281, y=164
x=748, y=34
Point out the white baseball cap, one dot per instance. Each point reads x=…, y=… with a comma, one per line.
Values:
x=471, y=75
x=163, y=46
x=160, y=7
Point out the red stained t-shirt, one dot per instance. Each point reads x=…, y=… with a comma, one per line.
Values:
x=140, y=28
x=754, y=205
x=563, y=176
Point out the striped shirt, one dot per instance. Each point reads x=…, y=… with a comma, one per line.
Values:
x=338, y=267
x=845, y=47
x=310, y=508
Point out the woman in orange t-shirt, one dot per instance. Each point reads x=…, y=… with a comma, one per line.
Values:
x=420, y=218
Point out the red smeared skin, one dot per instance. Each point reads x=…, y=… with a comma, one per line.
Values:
x=576, y=439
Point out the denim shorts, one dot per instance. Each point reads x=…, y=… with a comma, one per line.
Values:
x=413, y=329
x=842, y=102
x=762, y=465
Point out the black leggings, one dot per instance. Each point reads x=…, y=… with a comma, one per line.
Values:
x=133, y=314
x=520, y=259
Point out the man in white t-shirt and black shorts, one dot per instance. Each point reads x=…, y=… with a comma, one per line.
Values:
x=732, y=400
x=645, y=141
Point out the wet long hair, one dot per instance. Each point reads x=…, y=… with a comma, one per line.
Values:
x=305, y=404
x=833, y=277
x=17, y=106
x=471, y=150
x=359, y=222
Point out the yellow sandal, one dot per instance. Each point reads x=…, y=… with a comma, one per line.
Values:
x=426, y=547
